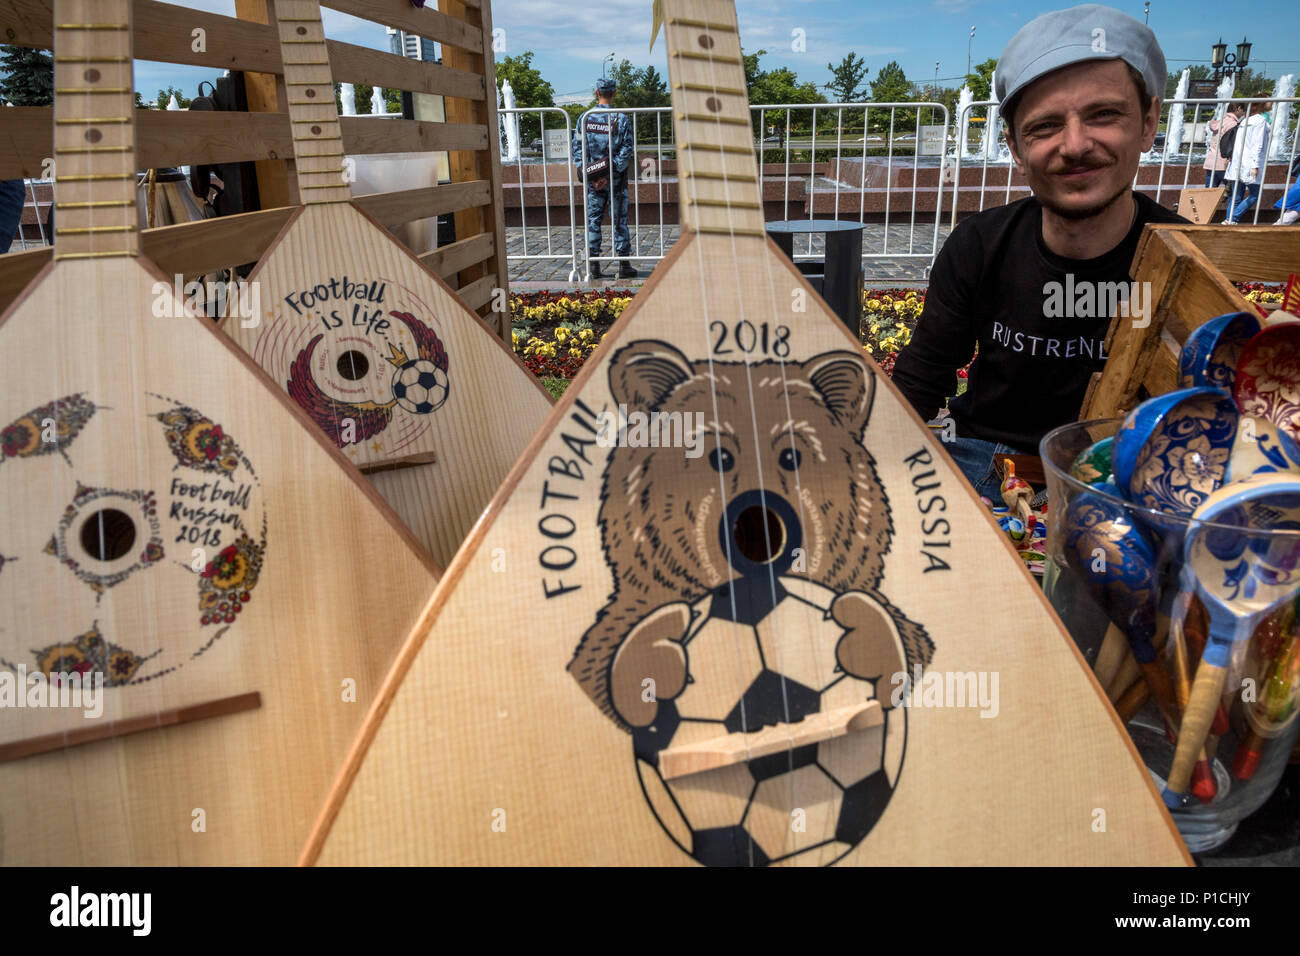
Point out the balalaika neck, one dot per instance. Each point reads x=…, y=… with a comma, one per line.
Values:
x=313, y=116
x=717, y=176
x=94, y=131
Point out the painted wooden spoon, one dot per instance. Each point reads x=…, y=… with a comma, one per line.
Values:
x=1243, y=559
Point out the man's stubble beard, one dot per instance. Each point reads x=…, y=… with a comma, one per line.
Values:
x=1087, y=212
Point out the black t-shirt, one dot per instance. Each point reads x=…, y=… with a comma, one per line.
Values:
x=1040, y=321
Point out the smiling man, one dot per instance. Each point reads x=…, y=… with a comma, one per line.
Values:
x=1034, y=283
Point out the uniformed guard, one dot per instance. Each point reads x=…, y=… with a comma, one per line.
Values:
x=606, y=170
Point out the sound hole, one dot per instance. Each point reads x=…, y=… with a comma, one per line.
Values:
x=713, y=103
x=353, y=365
x=759, y=534
x=706, y=41
x=108, y=535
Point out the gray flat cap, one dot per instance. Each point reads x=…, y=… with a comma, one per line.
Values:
x=1087, y=32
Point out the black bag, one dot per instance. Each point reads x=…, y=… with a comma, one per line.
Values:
x=1227, y=141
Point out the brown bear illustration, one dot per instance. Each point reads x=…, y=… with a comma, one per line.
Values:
x=781, y=439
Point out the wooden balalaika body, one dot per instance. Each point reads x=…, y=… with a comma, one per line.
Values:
x=393, y=367
x=199, y=594
x=768, y=622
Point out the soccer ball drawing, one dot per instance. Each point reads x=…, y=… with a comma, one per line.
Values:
x=420, y=387
x=807, y=806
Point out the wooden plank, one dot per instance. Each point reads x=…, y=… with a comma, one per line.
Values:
x=133, y=725
x=163, y=34
x=370, y=134
x=194, y=248
x=1202, y=293
x=478, y=293
x=427, y=22
x=358, y=64
x=461, y=254
x=188, y=249
x=407, y=205
x=1248, y=253
x=184, y=138
x=277, y=185
x=466, y=165
x=1116, y=391
x=1186, y=290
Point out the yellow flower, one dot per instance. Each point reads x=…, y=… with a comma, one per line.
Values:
x=575, y=353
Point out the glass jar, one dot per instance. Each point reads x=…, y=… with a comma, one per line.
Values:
x=1255, y=728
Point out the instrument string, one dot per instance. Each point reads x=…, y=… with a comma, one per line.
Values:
x=689, y=153
x=758, y=450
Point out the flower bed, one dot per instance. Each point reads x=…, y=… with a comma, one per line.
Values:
x=553, y=333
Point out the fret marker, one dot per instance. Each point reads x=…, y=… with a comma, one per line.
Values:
x=315, y=130
x=94, y=135
x=302, y=31
x=706, y=41
x=91, y=75
x=713, y=103
x=311, y=94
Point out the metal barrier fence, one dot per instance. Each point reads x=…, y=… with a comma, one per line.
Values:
x=1181, y=150
x=805, y=129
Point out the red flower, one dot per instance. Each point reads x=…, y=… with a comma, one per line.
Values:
x=219, y=563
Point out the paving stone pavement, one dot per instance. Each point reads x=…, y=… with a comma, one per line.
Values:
x=550, y=265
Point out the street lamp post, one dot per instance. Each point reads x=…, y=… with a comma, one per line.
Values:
x=1146, y=13
x=608, y=59
x=936, y=79
x=1225, y=63
x=968, y=43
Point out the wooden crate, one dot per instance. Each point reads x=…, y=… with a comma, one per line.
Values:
x=1190, y=270
x=475, y=264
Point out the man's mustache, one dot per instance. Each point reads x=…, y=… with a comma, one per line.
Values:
x=1077, y=168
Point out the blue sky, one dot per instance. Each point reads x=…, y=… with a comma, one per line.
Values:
x=571, y=38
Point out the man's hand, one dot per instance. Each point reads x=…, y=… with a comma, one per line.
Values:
x=1254, y=172
x=600, y=183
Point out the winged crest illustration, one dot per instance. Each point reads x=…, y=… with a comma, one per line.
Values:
x=369, y=418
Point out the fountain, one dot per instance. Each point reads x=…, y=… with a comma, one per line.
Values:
x=1279, y=149
x=348, y=96
x=1174, y=125
x=964, y=98
x=509, y=124
x=994, y=149
x=1224, y=95
x=377, y=106
x=172, y=104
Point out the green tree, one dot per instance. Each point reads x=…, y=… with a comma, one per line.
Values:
x=530, y=89
x=28, y=76
x=1251, y=83
x=638, y=88
x=1199, y=71
x=981, y=81
x=782, y=85
x=891, y=86
x=846, y=85
x=164, y=97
